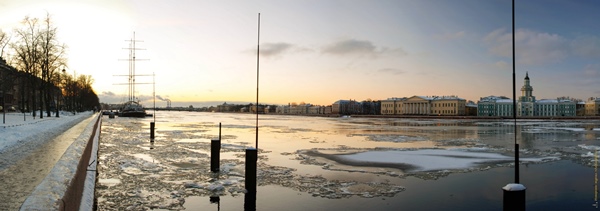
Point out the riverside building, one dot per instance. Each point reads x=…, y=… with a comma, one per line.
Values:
x=424, y=105
x=495, y=106
x=527, y=105
x=592, y=106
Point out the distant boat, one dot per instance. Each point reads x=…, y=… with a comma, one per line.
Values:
x=132, y=109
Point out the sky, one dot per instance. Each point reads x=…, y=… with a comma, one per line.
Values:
x=321, y=51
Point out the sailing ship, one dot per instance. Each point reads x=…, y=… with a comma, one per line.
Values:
x=132, y=108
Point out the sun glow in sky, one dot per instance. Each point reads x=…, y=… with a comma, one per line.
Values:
x=321, y=51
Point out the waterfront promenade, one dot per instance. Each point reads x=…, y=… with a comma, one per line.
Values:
x=30, y=156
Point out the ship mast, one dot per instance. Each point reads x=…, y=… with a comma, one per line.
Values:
x=132, y=60
x=131, y=74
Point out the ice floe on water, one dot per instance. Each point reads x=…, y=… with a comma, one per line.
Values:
x=328, y=158
x=136, y=174
x=433, y=159
x=422, y=163
x=393, y=138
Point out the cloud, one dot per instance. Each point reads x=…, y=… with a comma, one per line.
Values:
x=350, y=47
x=392, y=71
x=277, y=49
x=532, y=48
x=359, y=47
x=588, y=76
x=502, y=65
x=274, y=49
x=591, y=70
x=111, y=97
x=161, y=98
x=450, y=36
x=586, y=46
x=109, y=93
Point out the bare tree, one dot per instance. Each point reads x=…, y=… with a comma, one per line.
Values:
x=27, y=60
x=4, y=40
x=39, y=58
x=39, y=54
x=52, y=58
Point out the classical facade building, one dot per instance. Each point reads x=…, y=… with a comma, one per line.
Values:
x=424, y=105
x=527, y=105
x=448, y=105
x=392, y=106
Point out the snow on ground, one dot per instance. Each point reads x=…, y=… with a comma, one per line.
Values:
x=15, y=131
x=53, y=188
x=18, y=136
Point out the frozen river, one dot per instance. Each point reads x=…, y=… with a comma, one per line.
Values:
x=314, y=163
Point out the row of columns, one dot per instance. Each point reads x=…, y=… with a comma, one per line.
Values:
x=416, y=108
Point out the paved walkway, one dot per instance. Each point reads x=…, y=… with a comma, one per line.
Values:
x=18, y=180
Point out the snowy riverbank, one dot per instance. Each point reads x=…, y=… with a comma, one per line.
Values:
x=64, y=185
x=18, y=130
x=30, y=149
x=18, y=136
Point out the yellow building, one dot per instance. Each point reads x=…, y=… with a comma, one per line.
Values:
x=424, y=105
x=448, y=105
x=392, y=106
x=592, y=107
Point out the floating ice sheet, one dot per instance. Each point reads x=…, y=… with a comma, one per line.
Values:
x=426, y=159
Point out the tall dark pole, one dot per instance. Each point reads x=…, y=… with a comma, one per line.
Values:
x=514, y=194
x=257, y=77
x=515, y=96
x=154, y=97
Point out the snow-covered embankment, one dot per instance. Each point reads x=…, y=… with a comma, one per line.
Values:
x=64, y=187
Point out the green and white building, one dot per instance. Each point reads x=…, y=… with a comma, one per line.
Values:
x=527, y=105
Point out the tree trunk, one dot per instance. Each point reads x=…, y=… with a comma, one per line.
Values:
x=47, y=100
x=41, y=95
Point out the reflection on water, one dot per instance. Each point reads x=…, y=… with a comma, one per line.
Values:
x=173, y=172
x=250, y=201
x=216, y=200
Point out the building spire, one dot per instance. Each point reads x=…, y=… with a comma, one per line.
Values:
x=527, y=75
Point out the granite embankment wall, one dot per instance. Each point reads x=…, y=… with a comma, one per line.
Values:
x=68, y=185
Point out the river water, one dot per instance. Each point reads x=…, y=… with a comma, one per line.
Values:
x=316, y=163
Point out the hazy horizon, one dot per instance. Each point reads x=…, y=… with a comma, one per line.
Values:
x=321, y=51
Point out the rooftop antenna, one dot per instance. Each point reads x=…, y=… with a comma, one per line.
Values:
x=257, y=77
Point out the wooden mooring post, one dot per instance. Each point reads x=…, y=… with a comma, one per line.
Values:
x=215, y=152
x=250, y=197
x=152, y=131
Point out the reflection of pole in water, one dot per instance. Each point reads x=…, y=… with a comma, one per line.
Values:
x=595, y=204
x=216, y=200
x=250, y=201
